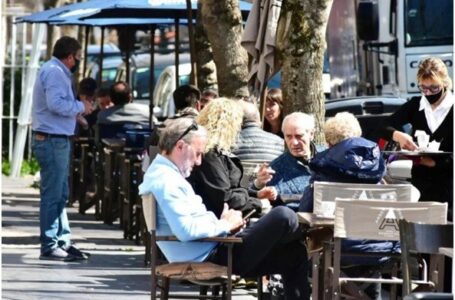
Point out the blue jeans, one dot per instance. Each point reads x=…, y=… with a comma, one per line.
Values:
x=53, y=154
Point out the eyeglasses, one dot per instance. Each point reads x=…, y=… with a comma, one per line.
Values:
x=432, y=88
x=193, y=126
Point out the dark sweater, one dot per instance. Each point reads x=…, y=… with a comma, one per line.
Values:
x=217, y=181
x=436, y=183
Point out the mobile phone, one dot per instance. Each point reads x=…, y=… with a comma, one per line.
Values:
x=249, y=214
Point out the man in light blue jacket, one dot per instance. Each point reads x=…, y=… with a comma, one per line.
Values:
x=272, y=245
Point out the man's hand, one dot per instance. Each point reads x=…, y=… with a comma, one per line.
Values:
x=268, y=192
x=88, y=107
x=233, y=217
x=405, y=140
x=265, y=174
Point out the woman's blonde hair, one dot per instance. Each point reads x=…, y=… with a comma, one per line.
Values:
x=341, y=127
x=222, y=118
x=434, y=68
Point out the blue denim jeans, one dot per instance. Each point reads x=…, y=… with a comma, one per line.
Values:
x=53, y=154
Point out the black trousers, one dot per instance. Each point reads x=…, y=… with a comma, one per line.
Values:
x=272, y=245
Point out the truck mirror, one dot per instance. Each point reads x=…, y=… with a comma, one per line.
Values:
x=367, y=21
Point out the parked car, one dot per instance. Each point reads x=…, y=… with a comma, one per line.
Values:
x=94, y=51
x=140, y=72
x=163, y=102
x=110, y=66
x=371, y=111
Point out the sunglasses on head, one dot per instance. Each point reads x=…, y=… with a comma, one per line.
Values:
x=193, y=126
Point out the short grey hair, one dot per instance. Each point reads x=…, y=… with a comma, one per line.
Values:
x=299, y=117
x=342, y=126
x=250, y=112
x=174, y=129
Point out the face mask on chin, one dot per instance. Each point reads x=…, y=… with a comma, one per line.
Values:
x=434, y=98
x=76, y=66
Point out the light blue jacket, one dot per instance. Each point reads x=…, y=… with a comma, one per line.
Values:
x=180, y=212
x=55, y=107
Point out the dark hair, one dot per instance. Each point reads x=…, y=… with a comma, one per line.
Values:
x=186, y=96
x=66, y=46
x=103, y=92
x=87, y=86
x=274, y=95
x=120, y=93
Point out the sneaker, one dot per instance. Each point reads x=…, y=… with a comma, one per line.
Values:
x=76, y=253
x=57, y=254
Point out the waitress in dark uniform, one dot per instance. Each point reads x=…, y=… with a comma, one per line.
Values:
x=433, y=114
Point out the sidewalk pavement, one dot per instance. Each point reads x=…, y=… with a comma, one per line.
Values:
x=115, y=269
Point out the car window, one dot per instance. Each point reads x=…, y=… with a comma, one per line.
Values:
x=108, y=76
x=141, y=83
x=184, y=79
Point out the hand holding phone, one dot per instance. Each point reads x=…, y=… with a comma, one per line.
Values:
x=249, y=214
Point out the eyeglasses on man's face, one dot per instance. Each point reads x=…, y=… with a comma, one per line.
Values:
x=193, y=126
x=433, y=89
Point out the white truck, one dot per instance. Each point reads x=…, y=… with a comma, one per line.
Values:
x=375, y=46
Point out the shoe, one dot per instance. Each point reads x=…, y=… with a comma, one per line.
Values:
x=57, y=254
x=76, y=253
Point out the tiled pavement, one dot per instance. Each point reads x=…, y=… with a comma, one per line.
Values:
x=114, y=271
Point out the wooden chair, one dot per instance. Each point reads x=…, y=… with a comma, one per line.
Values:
x=201, y=273
x=417, y=238
x=110, y=205
x=374, y=220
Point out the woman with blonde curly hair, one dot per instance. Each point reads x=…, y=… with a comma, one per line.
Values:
x=217, y=179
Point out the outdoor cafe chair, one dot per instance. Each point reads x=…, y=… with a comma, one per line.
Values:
x=374, y=220
x=201, y=273
x=419, y=238
x=321, y=221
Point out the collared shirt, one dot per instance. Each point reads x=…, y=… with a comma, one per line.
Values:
x=55, y=107
x=435, y=117
x=180, y=212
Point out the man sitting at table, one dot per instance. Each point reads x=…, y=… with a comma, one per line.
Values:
x=271, y=245
x=351, y=159
x=124, y=115
x=289, y=173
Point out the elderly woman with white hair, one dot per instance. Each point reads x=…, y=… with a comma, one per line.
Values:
x=351, y=159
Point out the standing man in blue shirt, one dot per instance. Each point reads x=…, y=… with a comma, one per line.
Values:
x=54, y=114
x=271, y=245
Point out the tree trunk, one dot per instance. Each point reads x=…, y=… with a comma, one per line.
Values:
x=51, y=34
x=303, y=58
x=206, y=68
x=223, y=24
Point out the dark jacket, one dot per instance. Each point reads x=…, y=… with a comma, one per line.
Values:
x=217, y=181
x=436, y=183
x=256, y=144
x=355, y=160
